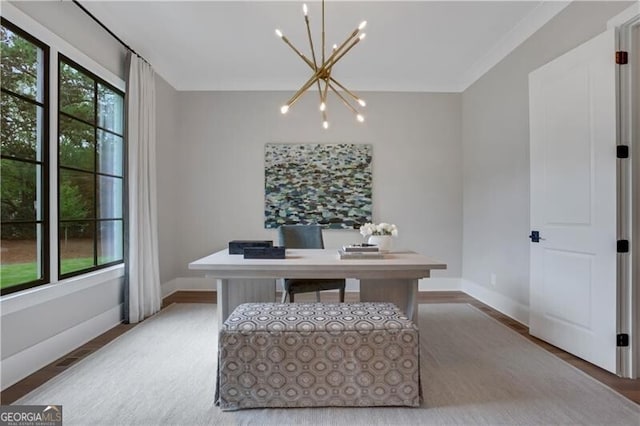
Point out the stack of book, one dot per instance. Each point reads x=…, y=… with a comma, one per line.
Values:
x=360, y=251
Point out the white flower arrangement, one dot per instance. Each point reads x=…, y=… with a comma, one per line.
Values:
x=380, y=229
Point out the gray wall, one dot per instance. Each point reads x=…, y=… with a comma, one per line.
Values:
x=26, y=327
x=495, y=151
x=219, y=163
x=167, y=152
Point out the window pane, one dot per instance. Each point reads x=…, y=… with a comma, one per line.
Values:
x=109, y=198
x=21, y=63
x=76, y=195
x=21, y=126
x=110, y=112
x=19, y=190
x=21, y=260
x=109, y=153
x=91, y=171
x=76, y=93
x=77, y=144
x=76, y=246
x=110, y=247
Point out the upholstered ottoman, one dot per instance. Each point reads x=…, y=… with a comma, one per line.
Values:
x=316, y=355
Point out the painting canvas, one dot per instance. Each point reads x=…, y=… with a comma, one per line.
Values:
x=325, y=184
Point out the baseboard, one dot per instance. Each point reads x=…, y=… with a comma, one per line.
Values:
x=497, y=301
x=188, y=284
x=26, y=362
x=209, y=284
x=169, y=287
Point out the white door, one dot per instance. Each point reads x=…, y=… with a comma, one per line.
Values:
x=572, y=114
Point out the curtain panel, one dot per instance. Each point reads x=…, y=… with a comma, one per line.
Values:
x=142, y=284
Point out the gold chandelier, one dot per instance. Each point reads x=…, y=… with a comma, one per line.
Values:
x=322, y=73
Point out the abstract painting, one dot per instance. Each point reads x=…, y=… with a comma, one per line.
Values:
x=325, y=184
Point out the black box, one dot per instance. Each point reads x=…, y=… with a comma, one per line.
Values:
x=238, y=246
x=264, y=252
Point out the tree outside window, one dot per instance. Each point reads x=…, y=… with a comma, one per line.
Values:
x=24, y=160
x=90, y=178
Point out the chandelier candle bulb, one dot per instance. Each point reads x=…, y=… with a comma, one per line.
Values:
x=362, y=103
x=279, y=33
x=284, y=109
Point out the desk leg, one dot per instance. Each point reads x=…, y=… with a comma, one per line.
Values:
x=234, y=292
x=403, y=293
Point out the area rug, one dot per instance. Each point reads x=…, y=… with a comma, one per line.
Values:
x=474, y=371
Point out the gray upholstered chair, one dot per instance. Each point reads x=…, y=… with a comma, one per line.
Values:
x=306, y=237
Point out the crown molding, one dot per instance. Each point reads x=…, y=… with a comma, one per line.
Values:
x=524, y=29
x=627, y=16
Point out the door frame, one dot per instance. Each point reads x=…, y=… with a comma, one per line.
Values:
x=627, y=25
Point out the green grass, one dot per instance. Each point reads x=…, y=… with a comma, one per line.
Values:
x=72, y=265
x=20, y=273
x=17, y=273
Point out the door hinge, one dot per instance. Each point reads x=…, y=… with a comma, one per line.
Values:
x=623, y=246
x=622, y=57
x=622, y=151
x=622, y=339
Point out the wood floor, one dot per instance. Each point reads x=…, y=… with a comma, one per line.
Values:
x=627, y=387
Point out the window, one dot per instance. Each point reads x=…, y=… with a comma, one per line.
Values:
x=90, y=171
x=24, y=154
x=85, y=158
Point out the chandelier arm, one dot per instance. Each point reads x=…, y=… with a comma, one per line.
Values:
x=326, y=87
x=344, y=101
x=303, y=89
x=353, y=95
x=325, y=120
x=304, y=58
x=335, y=58
x=326, y=90
x=313, y=54
x=329, y=61
x=338, y=51
x=323, y=48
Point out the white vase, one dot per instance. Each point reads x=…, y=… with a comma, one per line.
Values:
x=382, y=241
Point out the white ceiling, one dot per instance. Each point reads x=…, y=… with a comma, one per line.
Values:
x=422, y=46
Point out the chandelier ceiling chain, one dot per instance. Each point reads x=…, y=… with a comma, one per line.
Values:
x=322, y=72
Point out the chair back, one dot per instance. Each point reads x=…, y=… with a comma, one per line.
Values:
x=301, y=236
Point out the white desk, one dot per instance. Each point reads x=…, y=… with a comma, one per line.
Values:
x=392, y=279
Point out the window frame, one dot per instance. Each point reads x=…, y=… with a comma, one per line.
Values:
x=95, y=220
x=44, y=162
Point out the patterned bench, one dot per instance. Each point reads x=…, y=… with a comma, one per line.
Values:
x=318, y=355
